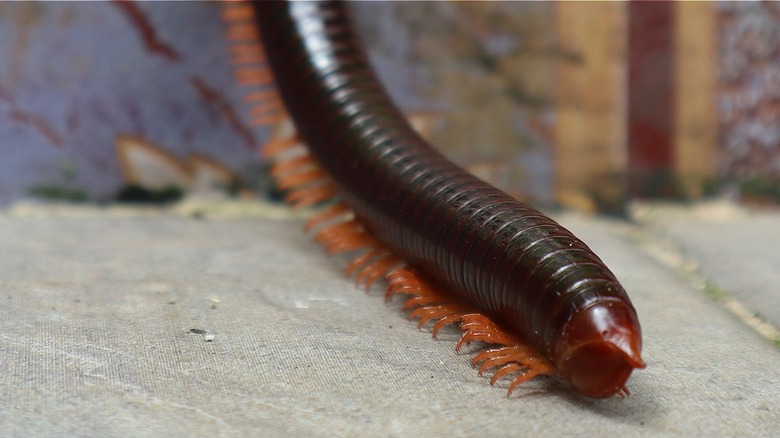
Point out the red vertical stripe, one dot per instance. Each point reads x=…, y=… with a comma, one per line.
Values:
x=650, y=97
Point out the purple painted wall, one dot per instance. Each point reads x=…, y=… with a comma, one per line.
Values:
x=76, y=76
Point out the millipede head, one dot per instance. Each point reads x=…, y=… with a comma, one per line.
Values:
x=599, y=349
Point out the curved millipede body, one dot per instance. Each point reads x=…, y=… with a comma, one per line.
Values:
x=497, y=268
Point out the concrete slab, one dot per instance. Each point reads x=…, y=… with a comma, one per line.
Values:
x=735, y=249
x=123, y=322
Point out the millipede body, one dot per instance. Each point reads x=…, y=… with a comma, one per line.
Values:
x=479, y=251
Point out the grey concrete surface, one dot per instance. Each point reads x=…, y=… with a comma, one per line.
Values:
x=736, y=249
x=99, y=306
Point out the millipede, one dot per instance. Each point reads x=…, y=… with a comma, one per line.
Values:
x=463, y=252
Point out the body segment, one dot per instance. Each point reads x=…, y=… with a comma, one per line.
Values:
x=525, y=271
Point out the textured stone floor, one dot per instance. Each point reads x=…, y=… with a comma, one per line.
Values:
x=226, y=320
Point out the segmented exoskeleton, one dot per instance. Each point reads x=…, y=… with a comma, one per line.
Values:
x=475, y=257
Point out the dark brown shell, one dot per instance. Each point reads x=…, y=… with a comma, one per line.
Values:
x=514, y=263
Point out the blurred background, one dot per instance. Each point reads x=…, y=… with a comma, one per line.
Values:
x=585, y=105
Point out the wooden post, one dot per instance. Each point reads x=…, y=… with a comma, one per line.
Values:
x=696, y=130
x=590, y=137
